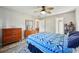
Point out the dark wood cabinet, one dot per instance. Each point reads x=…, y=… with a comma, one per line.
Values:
x=30, y=32
x=11, y=35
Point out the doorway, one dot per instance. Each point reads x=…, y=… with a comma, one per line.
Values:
x=60, y=25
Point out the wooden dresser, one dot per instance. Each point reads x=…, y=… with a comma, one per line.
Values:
x=29, y=32
x=11, y=35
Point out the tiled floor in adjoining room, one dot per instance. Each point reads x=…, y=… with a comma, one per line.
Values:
x=18, y=47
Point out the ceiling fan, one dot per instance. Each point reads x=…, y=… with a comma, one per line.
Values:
x=45, y=9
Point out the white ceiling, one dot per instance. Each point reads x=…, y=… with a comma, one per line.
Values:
x=29, y=10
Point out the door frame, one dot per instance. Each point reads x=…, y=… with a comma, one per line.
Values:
x=59, y=19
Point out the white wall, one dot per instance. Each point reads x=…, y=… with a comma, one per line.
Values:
x=50, y=23
x=77, y=18
x=12, y=19
x=68, y=17
x=1, y=25
x=51, y=20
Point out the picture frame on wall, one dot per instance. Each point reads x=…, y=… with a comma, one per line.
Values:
x=29, y=24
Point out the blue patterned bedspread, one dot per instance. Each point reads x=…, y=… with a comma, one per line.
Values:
x=50, y=42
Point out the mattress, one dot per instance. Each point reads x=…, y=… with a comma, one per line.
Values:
x=49, y=42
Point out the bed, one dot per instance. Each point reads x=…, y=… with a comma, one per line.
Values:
x=48, y=43
x=73, y=40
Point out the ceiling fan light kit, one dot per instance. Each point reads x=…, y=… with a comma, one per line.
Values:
x=43, y=12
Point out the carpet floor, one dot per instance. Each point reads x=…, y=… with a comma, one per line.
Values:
x=18, y=47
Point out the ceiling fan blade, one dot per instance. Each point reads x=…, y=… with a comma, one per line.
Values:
x=49, y=8
x=48, y=12
x=38, y=10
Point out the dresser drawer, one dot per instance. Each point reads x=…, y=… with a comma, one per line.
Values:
x=11, y=35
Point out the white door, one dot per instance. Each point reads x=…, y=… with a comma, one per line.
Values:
x=42, y=26
x=59, y=25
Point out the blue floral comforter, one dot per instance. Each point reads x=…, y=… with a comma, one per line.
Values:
x=50, y=42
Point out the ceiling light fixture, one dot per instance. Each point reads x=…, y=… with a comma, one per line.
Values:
x=43, y=12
